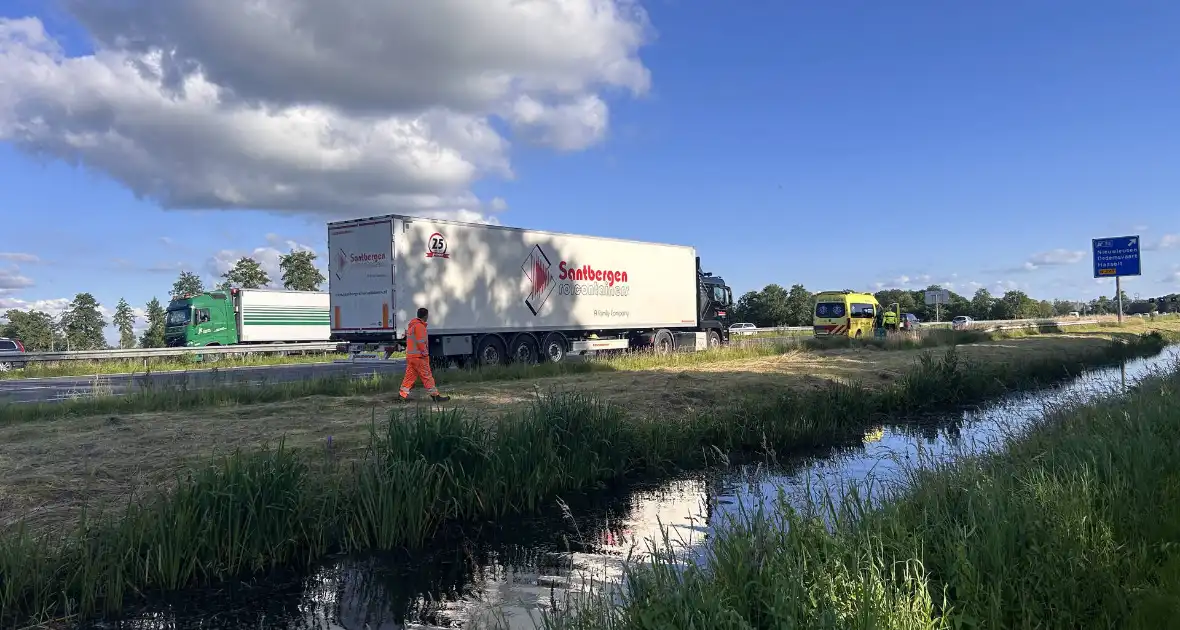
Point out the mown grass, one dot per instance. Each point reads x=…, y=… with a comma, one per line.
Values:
x=1074, y=524
x=277, y=507
x=164, y=395
x=49, y=369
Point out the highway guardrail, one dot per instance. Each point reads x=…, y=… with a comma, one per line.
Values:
x=151, y=353
x=978, y=324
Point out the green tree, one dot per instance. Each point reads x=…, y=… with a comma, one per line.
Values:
x=124, y=320
x=800, y=301
x=745, y=308
x=903, y=298
x=299, y=271
x=982, y=304
x=153, y=337
x=188, y=283
x=245, y=274
x=84, y=323
x=35, y=329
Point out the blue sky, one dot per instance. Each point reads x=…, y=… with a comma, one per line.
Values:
x=837, y=145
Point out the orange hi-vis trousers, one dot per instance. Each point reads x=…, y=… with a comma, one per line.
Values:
x=418, y=367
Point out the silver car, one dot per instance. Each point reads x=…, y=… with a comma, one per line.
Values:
x=8, y=346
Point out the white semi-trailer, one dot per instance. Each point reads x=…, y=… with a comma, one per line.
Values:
x=498, y=293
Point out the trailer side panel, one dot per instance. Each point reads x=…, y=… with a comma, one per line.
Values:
x=481, y=278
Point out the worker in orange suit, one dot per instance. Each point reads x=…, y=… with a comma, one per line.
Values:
x=418, y=359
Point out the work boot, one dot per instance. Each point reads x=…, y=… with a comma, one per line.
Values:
x=440, y=398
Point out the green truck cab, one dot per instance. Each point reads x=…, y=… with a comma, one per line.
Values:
x=238, y=316
x=207, y=319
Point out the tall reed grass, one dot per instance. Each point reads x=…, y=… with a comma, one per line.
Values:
x=1073, y=525
x=276, y=507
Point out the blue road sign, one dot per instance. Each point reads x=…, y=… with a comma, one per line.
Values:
x=1117, y=256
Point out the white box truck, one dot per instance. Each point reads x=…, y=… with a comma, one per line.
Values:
x=498, y=293
x=241, y=316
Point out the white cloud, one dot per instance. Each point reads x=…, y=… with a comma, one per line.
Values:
x=292, y=105
x=498, y=204
x=1167, y=241
x=1051, y=258
x=12, y=280
x=268, y=257
x=53, y=306
x=20, y=257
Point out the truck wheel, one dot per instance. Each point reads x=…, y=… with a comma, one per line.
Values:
x=553, y=348
x=663, y=343
x=523, y=349
x=490, y=351
x=714, y=339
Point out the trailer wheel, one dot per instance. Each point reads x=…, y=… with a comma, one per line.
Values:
x=714, y=339
x=524, y=349
x=663, y=342
x=553, y=348
x=490, y=351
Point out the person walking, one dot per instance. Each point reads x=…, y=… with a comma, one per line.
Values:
x=418, y=359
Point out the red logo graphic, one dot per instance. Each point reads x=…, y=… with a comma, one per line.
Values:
x=437, y=246
x=541, y=283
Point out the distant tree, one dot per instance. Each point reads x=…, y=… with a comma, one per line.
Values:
x=245, y=274
x=124, y=320
x=982, y=304
x=1064, y=307
x=904, y=299
x=299, y=271
x=36, y=330
x=153, y=337
x=774, y=309
x=188, y=283
x=744, y=309
x=800, y=302
x=84, y=323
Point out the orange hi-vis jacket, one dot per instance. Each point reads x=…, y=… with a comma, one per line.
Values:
x=416, y=340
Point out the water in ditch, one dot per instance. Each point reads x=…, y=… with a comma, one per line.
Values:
x=506, y=574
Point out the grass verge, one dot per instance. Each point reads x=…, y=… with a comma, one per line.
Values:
x=50, y=369
x=1073, y=525
x=278, y=507
x=220, y=389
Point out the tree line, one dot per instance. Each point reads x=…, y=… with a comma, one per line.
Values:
x=776, y=306
x=81, y=325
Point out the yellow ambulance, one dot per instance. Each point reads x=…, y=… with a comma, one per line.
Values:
x=845, y=314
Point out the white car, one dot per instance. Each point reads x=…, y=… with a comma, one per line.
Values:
x=744, y=328
x=961, y=322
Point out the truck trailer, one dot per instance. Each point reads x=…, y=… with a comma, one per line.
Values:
x=242, y=316
x=498, y=294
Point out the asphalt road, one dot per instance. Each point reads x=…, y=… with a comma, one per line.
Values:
x=54, y=389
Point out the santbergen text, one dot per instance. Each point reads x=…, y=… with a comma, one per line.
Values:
x=586, y=272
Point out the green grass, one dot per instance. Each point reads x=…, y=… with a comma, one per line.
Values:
x=278, y=507
x=1073, y=525
x=49, y=369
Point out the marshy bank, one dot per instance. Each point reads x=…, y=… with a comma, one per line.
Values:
x=488, y=575
x=1067, y=522
x=279, y=508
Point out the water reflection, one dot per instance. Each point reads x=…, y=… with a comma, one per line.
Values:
x=505, y=575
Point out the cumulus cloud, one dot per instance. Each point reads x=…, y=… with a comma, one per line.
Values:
x=1051, y=258
x=53, y=306
x=1167, y=241
x=12, y=280
x=267, y=256
x=294, y=105
x=20, y=257
x=920, y=281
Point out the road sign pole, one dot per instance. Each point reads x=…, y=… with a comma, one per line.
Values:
x=1118, y=291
